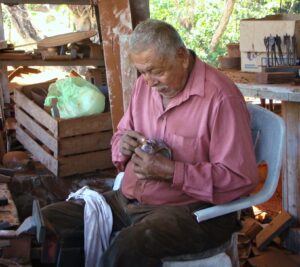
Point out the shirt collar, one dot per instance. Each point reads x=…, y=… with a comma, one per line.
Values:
x=195, y=83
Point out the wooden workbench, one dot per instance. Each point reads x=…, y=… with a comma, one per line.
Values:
x=289, y=95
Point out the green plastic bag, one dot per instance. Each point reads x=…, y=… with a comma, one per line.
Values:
x=76, y=97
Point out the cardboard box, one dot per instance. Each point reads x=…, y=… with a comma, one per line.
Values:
x=253, y=32
x=64, y=146
x=255, y=61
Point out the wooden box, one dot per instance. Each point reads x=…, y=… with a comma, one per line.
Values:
x=65, y=146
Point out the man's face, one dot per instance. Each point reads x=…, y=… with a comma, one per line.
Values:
x=166, y=75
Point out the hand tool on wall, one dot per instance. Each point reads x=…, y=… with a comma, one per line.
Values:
x=272, y=48
x=266, y=42
x=294, y=49
x=278, y=44
x=287, y=44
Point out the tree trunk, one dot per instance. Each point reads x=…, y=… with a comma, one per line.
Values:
x=21, y=21
x=223, y=23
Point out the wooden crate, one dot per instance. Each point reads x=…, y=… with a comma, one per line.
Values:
x=64, y=146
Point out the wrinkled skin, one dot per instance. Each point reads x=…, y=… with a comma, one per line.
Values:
x=147, y=166
x=130, y=141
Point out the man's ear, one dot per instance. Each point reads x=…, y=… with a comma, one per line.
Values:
x=183, y=55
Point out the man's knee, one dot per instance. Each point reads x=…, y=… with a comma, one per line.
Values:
x=63, y=218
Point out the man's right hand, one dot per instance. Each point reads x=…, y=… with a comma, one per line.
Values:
x=130, y=141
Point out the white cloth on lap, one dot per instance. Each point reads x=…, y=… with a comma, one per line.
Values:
x=98, y=222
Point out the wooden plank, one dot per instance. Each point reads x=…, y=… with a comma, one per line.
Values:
x=53, y=2
x=36, y=112
x=128, y=72
x=87, y=162
x=291, y=241
x=2, y=37
x=15, y=56
x=66, y=38
x=115, y=19
x=32, y=146
x=5, y=96
x=40, y=62
x=84, y=143
x=279, y=92
x=139, y=11
x=35, y=129
x=278, y=224
x=274, y=77
x=4, y=92
x=291, y=160
x=291, y=169
x=84, y=125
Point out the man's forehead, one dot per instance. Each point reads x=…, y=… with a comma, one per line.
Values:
x=149, y=60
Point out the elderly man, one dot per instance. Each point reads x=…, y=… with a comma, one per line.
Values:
x=201, y=116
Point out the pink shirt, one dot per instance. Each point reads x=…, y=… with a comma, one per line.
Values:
x=207, y=128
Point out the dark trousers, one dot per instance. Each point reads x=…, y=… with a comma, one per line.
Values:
x=146, y=234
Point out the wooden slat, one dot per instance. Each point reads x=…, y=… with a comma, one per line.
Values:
x=278, y=224
x=66, y=38
x=36, y=112
x=50, y=162
x=84, y=143
x=139, y=11
x=53, y=2
x=5, y=96
x=35, y=129
x=82, y=163
x=2, y=37
x=115, y=19
x=40, y=62
x=291, y=160
x=128, y=72
x=84, y=125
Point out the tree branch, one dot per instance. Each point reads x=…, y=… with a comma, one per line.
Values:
x=222, y=25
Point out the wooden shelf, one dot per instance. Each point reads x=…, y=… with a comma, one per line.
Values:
x=40, y=62
x=54, y=2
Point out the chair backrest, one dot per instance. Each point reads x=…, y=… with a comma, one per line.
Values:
x=268, y=132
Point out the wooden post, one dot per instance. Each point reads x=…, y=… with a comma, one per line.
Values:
x=291, y=167
x=115, y=19
x=128, y=72
x=139, y=11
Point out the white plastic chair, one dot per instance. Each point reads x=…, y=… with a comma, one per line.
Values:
x=268, y=133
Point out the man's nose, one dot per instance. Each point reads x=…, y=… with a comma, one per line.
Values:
x=150, y=80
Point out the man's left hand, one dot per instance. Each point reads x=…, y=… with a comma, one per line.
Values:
x=148, y=166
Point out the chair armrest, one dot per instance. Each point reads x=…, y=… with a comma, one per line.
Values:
x=233, y=206
x=118, y=181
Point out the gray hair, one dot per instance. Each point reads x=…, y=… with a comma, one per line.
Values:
x=155, y=34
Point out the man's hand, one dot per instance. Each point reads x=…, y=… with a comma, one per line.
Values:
x=147, y=166
x=130, y=141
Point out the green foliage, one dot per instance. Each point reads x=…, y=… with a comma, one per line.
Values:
x=197, y=20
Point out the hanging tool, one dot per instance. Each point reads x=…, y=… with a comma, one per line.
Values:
x=272, y=48
x=278, y=44
x=266, y=42
x=287, y=44
x=294, y=49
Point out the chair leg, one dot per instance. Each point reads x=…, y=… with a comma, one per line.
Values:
x=233, y=252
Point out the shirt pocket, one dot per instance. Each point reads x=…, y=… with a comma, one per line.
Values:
x=184, y=148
